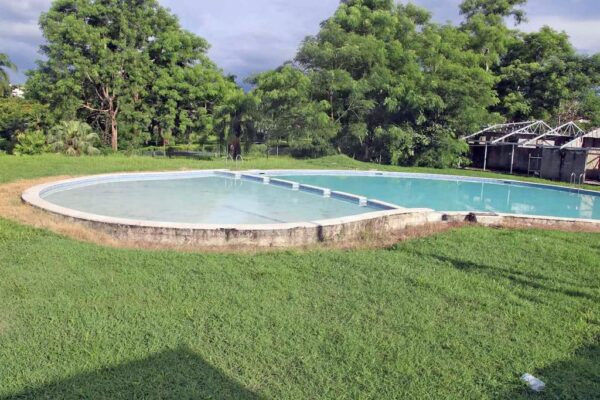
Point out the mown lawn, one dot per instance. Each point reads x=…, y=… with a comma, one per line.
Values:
x=457, y=315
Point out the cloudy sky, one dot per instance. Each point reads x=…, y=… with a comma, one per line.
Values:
x=251, y=36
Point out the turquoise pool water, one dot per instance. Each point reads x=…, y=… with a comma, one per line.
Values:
x=209, y=200
x=460, y=195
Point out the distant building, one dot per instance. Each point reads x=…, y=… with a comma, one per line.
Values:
x=18, y=92
x=563, y=153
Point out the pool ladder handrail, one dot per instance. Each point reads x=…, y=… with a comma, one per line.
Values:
x=577, y=180
x=235, y=160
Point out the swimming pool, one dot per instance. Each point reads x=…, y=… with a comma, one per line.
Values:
x=300, y=207
x=197, y=198
x=452, y=193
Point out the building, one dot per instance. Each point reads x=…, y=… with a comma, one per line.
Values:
x=564, y=153
x=18, y=92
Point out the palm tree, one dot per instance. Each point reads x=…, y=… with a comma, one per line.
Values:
x=73, y=138
x=5, y=64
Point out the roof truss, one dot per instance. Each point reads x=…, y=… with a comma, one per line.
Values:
x=535, y=128
x=570, y=129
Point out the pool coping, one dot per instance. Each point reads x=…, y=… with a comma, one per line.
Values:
x=390, y=218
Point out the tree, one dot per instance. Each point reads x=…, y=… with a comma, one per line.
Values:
x=493, y=8
x=543, y=77
x=485, y=22
x=125, y=66
x=287, y=112
x=5, y=64
x=73, y=138
x=384, y=78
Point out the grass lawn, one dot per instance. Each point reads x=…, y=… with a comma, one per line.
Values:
x=461, y=314
x=14, y=167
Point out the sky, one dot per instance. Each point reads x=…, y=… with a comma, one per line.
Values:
x=247, y=37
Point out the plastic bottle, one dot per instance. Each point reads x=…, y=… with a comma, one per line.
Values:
x=534, y=383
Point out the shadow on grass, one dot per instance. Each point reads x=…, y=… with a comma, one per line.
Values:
x=526, y=279
x=176, y=374
x=575, y=378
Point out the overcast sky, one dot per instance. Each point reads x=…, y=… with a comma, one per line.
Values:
x=252, y=36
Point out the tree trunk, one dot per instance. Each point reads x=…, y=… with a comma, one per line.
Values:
x=112, y=116
x=114, y=134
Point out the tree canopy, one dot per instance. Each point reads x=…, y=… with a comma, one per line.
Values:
x=380, y=81
x=399, y=88
x=128, y=69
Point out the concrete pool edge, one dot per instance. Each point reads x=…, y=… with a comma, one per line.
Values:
x=336, y=230
x=293, y=234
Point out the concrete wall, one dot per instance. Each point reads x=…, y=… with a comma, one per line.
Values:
x=555, y=164
x=265, y=236
x=560, y=164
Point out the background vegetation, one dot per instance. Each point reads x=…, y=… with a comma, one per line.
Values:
x=379, y=82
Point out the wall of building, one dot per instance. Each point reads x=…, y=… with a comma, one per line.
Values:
x=555, y=164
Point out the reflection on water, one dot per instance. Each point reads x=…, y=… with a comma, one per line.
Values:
x=211, y=200
x=457, y=195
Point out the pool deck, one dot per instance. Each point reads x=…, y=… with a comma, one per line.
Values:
x=389, y=218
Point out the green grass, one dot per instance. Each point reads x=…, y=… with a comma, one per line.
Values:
x=457, y=315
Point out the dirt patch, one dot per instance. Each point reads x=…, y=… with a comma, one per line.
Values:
x=13, y=208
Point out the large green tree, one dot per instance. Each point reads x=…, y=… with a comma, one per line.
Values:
x=285, y=110
x=125, y=65
x=392, y=83
x=543, y=77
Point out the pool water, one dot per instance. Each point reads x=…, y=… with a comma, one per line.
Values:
x=209, y=199
x=462, y=195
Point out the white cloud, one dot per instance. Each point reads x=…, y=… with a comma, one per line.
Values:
x=584, y=34
x=251, y=36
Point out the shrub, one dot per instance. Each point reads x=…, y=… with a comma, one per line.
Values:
x=313, y=149
x=442, y=150
x=74, y=138
x=258, y=150
x=31, y=143
x=18, y=115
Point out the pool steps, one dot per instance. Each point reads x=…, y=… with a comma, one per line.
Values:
x=325, y=192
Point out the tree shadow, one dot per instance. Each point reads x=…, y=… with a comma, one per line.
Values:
x=523, y=278
x=575, y=378
x=173, y=374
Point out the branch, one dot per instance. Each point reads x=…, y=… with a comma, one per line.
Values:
x=86, y=106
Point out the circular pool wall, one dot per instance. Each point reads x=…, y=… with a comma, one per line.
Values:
x=218, y=208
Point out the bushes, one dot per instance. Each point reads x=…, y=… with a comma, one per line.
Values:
x=257, y=150
x=317, y=147
x=31, y=143
x=18, y=115
x=442, y=150
x=73, y=138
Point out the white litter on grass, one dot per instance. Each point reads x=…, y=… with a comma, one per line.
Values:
x=534, y=383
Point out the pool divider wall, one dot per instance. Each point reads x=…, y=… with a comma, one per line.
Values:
x=361, y=200
x=325, y=192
